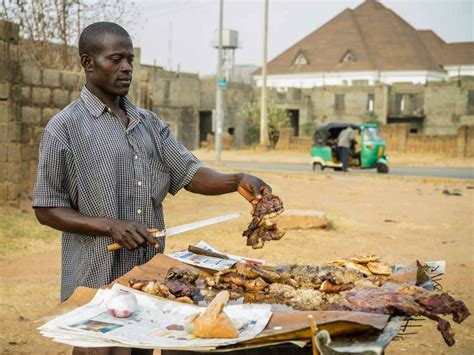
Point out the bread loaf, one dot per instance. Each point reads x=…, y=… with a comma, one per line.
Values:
x=213, y=322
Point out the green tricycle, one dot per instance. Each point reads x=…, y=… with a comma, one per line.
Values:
x=367, y=151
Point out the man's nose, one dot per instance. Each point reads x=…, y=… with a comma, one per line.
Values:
x=126, y=66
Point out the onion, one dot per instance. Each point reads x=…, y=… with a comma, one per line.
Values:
x=121, y=304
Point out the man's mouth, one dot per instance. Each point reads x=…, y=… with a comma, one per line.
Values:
x=125, y=79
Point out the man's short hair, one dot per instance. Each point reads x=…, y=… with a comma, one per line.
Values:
x=89, y=40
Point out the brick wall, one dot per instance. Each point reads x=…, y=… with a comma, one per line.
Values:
x=29, y=97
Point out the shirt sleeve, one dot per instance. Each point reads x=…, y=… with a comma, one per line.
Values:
x=51, y=179
x=181, y=162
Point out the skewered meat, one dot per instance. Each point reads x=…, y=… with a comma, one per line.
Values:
x=180, y=288
x=393, y=301
x=185, y=274
x=261, y=227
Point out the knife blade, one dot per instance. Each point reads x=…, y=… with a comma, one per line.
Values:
x=184, y=228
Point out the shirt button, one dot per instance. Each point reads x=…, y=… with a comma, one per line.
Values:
x=139, y=211
x=135, y=157
x=139, y=183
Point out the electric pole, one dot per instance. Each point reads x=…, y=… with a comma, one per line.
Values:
x=263, y=107
x=219, y=88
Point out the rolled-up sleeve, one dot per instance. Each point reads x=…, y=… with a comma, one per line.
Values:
x=51, y=179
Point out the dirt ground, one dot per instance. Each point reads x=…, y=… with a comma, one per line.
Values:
x=425, y=224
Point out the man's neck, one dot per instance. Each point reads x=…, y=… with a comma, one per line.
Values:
x=111, y=101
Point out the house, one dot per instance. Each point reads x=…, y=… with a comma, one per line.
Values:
x=369, y=44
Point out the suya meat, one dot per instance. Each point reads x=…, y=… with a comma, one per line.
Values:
x=396, y=301
x=261, y=227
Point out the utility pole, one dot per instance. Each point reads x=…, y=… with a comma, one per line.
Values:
x=263, y=107
x=219, y=88
x=170, y=48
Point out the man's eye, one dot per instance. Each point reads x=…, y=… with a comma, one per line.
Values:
x=116, y=59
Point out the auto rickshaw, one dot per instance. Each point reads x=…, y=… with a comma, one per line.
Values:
x=367, y=151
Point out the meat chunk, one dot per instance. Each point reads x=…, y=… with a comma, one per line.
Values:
x=261, y=227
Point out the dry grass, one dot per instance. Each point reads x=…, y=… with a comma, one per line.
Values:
x=20, y=233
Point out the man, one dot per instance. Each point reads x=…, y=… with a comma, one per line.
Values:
x=344, y=142
x=105, y=167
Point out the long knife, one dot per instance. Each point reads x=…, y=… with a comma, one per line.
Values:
x=182, y=228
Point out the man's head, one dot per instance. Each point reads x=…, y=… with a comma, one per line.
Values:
x=106, y=52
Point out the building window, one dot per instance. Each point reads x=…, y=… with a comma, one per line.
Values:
x=348, y=57
x=470, y=102
x=370, y=102
x=339, y=103
x=300, y=59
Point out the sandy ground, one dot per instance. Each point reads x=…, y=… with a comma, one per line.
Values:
x=426, y=225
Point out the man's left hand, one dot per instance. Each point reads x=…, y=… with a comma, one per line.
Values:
x=252, y=188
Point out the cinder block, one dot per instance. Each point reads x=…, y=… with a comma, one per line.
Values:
x=41, y=96
x=31, y=115
x=302, y=219
x=70, y=80
x=3, y=152
x=25, y=94
x=9, y=31
x=14, y=52
x=48, y=113
x=4, y=111
x=26, y=130
x=5, y=91
x=51, y=77
x=75, y=95
x=14, y=132
x=31, y=74
x=13, y=191
x=60, y=98
x=13, y=172
x=3, y=171
x=36, y=133
x=14, y=152
x=3, y=192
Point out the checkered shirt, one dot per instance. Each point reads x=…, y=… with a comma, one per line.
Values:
x=90, y=162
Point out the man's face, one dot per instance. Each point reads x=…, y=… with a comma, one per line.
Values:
x=112, y=65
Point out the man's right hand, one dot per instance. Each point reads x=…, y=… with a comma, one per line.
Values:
x=131, y=234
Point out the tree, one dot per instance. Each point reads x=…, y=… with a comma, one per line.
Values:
x=370, y=117
x=278, y=118
x=48, y=24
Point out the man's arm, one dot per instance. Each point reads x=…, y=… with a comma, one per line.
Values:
x=210, y=182
x=129, y=234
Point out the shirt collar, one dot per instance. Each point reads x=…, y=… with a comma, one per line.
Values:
x=97, y=107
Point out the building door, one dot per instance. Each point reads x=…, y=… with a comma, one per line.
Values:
x=295, y=121
x=205, y=125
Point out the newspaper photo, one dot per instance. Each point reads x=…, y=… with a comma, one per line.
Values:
x=156, y=323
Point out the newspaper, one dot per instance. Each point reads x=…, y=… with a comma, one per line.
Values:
x=210, y=262
x=156, y=323
x=203, y=245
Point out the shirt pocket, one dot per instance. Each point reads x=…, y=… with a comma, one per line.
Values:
x=160, y=180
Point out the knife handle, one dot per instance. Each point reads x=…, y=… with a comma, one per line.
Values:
x=117, y=246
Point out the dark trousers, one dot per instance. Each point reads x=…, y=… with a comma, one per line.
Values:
x=344, y=157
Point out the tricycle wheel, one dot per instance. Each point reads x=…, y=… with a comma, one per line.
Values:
x=318, y=167
x=382, y=168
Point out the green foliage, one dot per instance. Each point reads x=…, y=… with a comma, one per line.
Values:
x=308, y=128
x=371, y=117
x=277, y=118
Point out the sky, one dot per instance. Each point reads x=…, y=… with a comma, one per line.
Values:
x=191, y=25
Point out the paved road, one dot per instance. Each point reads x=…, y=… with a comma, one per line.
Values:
x=456, y=173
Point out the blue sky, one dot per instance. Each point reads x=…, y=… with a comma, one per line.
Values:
x=193, y=23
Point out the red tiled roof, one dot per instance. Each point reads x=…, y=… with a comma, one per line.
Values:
x=378, y=39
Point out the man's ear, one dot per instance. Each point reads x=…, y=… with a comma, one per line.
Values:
x=87, y=62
